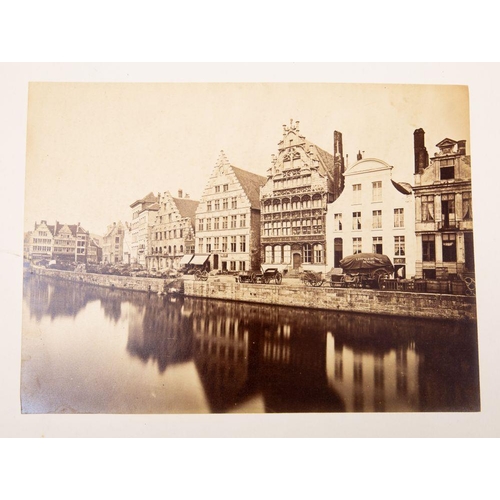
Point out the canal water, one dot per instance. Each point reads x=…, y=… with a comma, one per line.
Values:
x=88, y=349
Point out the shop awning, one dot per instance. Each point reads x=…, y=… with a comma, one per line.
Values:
x=186, y=259
x=199, y=260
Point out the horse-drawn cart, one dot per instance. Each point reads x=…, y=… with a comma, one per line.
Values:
x=365, y=270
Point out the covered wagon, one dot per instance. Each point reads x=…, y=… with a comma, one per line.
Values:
x=366, y=270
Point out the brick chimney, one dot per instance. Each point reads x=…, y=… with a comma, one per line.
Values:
x=421, y=155
x=461, y=145
x=359, y=156
x=179, y=193
x=338, y=165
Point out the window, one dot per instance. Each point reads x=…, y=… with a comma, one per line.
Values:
x=306, y=226
x=428, y=248
x=117, y=239
x=356, y=220
x=217, y=204
x=448, y=209
x=286, y=227
x=317, y=225
x=243, y=220
x=233, y=221
x=306, y=202
x=295, y=204
x=269, y=254
x=377, y=219
x=243, y=243
x=233, y=243
x=225, y=187
x=225, y=204
x=399, y=245
x=296, y=226
x=232, y=265
x=377, y=244
x=466, y=206
x=224, y=243
x=267, y=229
x=224, y=222
x=318, y=254
x=286, y=205
x=356, y=193
x=216, y=243
x=217, y=189
x=209, y=206
x=427, y=208
x=286, y=254
x=447, y=169
x=316, y=202
x=307, y=253
x=276, y=206
x=208, y=246
x=216, y=223
x=356, y=245
x=377, y=191
x=234, y=202
x=277, y=255
x=276, y=228
x=337, y=222
x=449, y=248
x=242, y=265
x=209, y=226
x=200, y=245
x=399, y=219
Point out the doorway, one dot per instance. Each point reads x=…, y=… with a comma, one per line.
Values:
x=297, y=260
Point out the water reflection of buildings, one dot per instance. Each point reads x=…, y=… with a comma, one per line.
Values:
x=159, y=331
x=247, y=351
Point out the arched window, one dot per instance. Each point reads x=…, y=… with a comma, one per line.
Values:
x=306, y=202
x=316, y=201
x=286, y=254
x=267, y=206
x=307, y=253
x=181, y=249
x=175, y=248
x=318, y=254
x=286, y=204
x=276, y=206
x=169, y=249
x=269, y=254
x=278, y=258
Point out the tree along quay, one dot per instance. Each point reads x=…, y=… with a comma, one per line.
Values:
x=383, y=302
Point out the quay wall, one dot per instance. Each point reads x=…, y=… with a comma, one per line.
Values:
x=392, y=303
x=408, y=304
x=107, y=280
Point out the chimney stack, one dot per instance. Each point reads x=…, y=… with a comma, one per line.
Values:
x=179, y=193
x=462, y=147
x=421, y=155
x=359, y=156
x=338, y=165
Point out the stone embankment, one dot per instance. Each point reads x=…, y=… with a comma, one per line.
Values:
x=408, y=304
x=295, y=294
x=110, y=281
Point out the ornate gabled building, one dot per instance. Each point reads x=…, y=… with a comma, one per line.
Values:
x=301, y=182
x=172, y=235
x=443, y=209
x=143, y=217
x=228, y=219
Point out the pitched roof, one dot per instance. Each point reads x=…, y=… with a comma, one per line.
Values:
x=149, y=198
x=251, y=184
x=187, y=208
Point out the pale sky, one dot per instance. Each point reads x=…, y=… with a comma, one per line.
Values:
x=94, y=148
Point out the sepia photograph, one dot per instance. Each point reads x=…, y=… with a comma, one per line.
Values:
x=248, y=248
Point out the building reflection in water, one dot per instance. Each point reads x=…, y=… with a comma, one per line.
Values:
x=259, y=358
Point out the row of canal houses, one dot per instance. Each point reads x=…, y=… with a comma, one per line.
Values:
x=311, y=210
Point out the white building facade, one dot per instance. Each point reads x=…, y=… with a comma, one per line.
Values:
x=374, y=214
